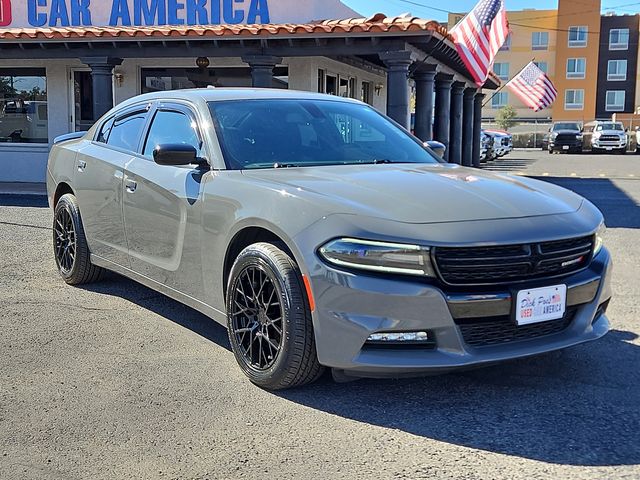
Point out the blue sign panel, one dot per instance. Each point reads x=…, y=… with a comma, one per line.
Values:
x=77, y=13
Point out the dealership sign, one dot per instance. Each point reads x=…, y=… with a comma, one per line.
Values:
x=87, y=13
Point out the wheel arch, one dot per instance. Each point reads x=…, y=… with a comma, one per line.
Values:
x=249, y=234
x=62, y=189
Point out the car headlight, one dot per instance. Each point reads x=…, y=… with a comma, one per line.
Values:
x=599, y=239
x=579, y=136
x=596, y=135
x=377, y=256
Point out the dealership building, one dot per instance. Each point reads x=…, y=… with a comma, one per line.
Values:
x=64, y=63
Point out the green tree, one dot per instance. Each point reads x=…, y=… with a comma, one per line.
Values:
x=506, y=117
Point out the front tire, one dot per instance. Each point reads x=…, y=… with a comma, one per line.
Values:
x=70, y=247
x=269, y=320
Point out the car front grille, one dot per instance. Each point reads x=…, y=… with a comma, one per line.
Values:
x=566, y=138
x=512, y=263
x=488, y=331
x=609, y=138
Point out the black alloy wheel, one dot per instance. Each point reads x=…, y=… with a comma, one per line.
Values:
x=65, y=240
x=70, y=247
x=256, y=317
x=269, y=319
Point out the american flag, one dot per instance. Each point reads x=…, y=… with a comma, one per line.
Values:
x=479, y=36
x=533, y=87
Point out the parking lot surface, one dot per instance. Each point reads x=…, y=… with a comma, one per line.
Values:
x=114, y=380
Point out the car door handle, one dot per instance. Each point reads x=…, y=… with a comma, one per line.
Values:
x=130, y=186
x=81, y=165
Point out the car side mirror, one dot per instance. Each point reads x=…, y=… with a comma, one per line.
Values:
x=436, y=147
x=176, y=154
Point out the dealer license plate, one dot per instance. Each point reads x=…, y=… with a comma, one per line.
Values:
x=609, y=148
x=565, y=147
x=541, y=304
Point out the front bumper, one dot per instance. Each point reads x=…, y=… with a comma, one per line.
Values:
x=609, y=145
x=575, y=145
x=350, y=307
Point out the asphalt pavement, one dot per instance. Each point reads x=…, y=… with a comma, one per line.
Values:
x=115, y=381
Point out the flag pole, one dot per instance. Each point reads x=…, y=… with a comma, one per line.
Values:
x=504, y=85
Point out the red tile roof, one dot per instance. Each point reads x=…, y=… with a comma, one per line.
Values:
x=377, y=24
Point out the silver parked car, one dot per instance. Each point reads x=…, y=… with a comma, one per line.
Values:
x=323, y=235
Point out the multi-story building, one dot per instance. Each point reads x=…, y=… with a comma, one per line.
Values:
x=591, y=59
x=617, y=65
x=577, y=51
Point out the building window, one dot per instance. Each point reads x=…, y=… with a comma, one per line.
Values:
x=578, y=36
x=499, y=100
x=321, y=80
x=615, y=101
x=540, y=40
x=617, y=70
x=619, y=39
x=507, y=44
x=347, y=87
x=24, y=117
x=574, y=99
x=576, y=67
x=367, y=93
x=542, y=66
x=501, y=69
x=161, y=79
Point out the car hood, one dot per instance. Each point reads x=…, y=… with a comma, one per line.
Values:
x=565, y=132
x=414, y=193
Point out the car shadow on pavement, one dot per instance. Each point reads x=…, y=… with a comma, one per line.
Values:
x=577, y=406
x=33, y=201
x=508, y=164
x=178, y=313
x=619, y=209
x=573, y=407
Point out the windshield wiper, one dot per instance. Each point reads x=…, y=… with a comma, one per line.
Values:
x=285, y=165
x=370, y=161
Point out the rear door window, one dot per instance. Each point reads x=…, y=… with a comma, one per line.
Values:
x=126, y=130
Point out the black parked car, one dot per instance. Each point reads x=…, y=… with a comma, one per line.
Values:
x=564, y=137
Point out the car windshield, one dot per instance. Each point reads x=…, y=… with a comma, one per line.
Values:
x=565, y=126
x=609, y=126
x=268, y=133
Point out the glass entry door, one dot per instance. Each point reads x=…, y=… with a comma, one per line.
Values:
x=82, y=97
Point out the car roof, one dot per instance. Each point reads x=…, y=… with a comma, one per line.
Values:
x=214, y=94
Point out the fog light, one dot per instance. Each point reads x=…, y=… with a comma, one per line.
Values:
x=399, y=337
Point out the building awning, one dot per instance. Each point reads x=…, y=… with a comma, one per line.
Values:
x=377, y=24
x=364, y=37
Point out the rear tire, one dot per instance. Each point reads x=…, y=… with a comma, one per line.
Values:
x=269, y=319
x=70, y=247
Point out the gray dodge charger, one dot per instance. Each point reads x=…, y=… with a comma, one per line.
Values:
x=324, y=235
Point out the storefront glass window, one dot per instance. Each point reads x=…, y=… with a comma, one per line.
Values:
x=23, y=106
x=162, y=79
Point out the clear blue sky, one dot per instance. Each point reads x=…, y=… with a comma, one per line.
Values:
x=397, y=7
